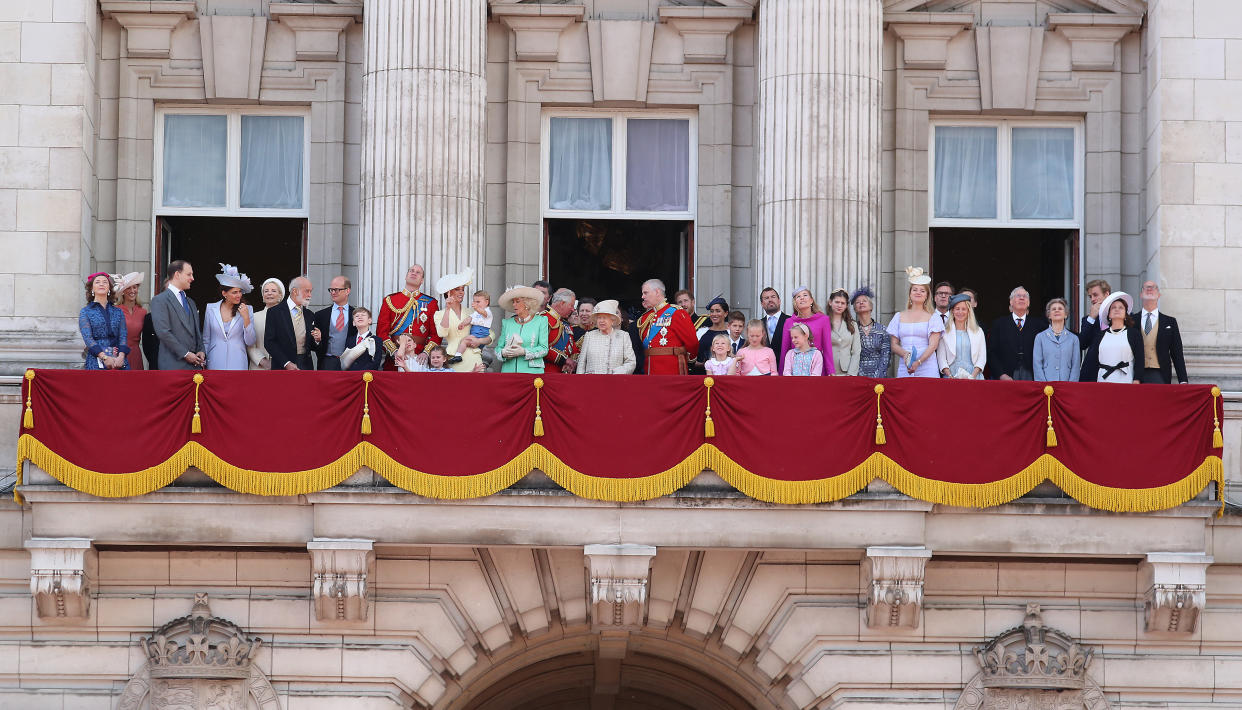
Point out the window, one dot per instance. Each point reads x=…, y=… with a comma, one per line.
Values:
x=219, y=162
x=616, y=164
x=1006, y=173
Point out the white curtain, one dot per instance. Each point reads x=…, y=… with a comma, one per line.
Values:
x=1042, y=176
x=657, y=170
x=271, y=162
x=966, y=172
x=195, y=160
x=580, y=173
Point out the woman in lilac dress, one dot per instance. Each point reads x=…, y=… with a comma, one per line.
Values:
x=915, y=334
x=817, y=324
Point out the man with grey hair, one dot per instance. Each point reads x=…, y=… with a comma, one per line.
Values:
x=1162, y=340
x=289, y=335
x=562, y=353
x=1011, y=339
x=666, y=331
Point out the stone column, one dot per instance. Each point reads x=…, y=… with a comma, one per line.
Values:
x=819, y=145
x=422, y=141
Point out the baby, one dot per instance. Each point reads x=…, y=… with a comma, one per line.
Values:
x=480, y=325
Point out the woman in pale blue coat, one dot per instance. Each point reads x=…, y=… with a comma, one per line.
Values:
x=228, y=324
x=1056, y=356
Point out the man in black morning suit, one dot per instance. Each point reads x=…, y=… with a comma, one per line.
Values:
x=1162, y=340
x=289, y=342
x=1011, y=339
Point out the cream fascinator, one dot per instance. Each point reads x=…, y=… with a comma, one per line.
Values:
x=916, y=277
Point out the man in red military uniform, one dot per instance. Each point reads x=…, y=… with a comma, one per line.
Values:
x=407, y=312
x=666, y=331
x=562, y=350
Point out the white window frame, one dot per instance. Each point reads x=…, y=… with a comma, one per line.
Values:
x=619, y=154
x=232, y=206
x=1004, y=149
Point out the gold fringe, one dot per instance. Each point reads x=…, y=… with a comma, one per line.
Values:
x=1052, y=435
x=366, y=408
x=538, y=412
x=1218, y=441
x=449, y=487
x=28, y=415
x=622, y=490
x=709, y=427
x=880, y=439
x=196, y=424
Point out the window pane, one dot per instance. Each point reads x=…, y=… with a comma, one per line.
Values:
x=657, y=165
x=966, y=172
x=1043, y=173
x=195, y=160
x=271, y=162
x=580, y=170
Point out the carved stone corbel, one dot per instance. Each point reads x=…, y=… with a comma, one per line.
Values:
x=149, y=25
x=619, y=576
x=925, y=36
x=1176, y=590
x=339, y=585
x=705, y=30
x=316, y=27
x=1093, y=37
x=537, y=28
x=895, y=592
x=61, y=572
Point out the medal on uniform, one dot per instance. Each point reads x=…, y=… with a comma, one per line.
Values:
x=663, y=340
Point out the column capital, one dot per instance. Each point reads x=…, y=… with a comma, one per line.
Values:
x=61, y=572
x=339, y=577
x=895, y=590
x=1176, y=585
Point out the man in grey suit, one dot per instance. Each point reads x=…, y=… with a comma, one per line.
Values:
x=176, y=321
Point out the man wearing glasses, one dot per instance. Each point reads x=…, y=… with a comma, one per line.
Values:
x=334, y=327
x=941, y=295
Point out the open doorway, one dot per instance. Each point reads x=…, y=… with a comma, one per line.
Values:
x=994, y=261
x=611, y=258
x=260, y=247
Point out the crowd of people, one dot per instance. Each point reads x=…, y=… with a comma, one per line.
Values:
x=934, y=335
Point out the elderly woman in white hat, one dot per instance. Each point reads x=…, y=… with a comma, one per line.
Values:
x=1116, y=350
x=228, y=329
x=607, y=350
x=453, y=323
x=126, y=291
x=524, y=337
x=273, y=293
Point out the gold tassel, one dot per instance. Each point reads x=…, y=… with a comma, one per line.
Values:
x=538, y=410
x=880, y=439
x=366, y=407
x=709, y=427
x=27, y=417
x=1052, y=435
x=196, y=424
x=1218, y=441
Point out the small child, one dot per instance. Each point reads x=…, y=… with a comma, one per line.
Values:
x=405, y=357
x=362, y=354
x=802, y=359
x=756, y=358
x=436, y=358
x=480, y=325
x=721, y=362
x=737, y=325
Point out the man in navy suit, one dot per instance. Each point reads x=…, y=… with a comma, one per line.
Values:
x=290, y=335
x=1097, y=291
x=1011, y=339
x=175, y=320
x=1162, y=340
x=335, y=325
x=773, y=319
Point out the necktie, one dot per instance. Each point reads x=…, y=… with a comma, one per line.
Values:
x=360, y=339
x=735, y=348
x=1019, y=325
x=944, y=320
x=340, y=318
x=1147, y=325
x=185, y=303
x=299, y=330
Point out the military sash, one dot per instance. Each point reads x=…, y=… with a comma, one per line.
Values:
x=659, y=320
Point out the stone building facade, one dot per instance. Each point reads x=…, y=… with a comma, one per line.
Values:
x=815, y=142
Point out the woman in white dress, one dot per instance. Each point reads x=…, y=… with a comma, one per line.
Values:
x=607, y=349
x=914, y=332
x=228, y=328
x=273, y=292
x=1116, y=353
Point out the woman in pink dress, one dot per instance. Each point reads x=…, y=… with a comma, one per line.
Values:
x=817, y=324
x=127, y=298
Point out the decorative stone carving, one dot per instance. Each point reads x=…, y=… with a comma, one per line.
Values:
x=620, y=58
x=1093, y=37
x=705, y=30
x=1034, y=656
x=232, y=55
x=61, y=571
x=149, y=25
x=925, y=35
x=537, y=28
x=316, y=27
x=1176, y=591
x=895, y=595
x=199, y=662
x=340, y=577
x=1009, y=59
x=619, y=576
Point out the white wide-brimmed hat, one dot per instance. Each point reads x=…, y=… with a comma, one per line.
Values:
x=230, y=278
x=916, y=277
x=506, y=298
x=133, y=278
x=448, y=282
x=608, y=307
x=1103, y=320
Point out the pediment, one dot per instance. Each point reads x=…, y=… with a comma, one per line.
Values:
x=1106, y=7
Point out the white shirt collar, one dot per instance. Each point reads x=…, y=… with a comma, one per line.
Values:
x=1155, y=313
x=1024, y=318
x=176, y=291
x=291, y=304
